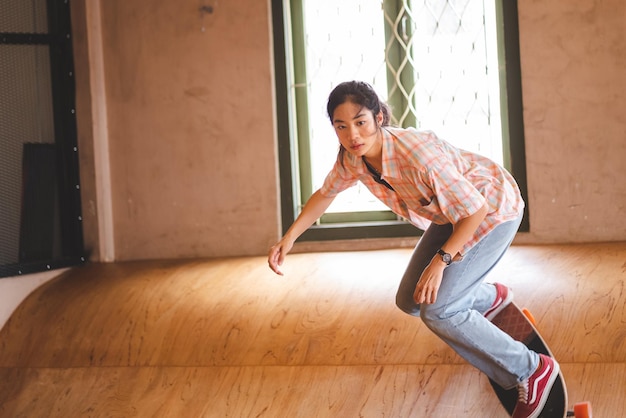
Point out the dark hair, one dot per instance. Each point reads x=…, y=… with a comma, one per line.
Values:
x=360, y=93
x=357, y=92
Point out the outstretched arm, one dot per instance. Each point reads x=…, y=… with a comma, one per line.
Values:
x=313, y=209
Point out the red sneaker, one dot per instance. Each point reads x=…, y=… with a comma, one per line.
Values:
x=534, y=392
x=504, y=296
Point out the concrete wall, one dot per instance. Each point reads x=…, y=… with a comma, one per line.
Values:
x=189, y=125
x=191, y=136
x=573, y=56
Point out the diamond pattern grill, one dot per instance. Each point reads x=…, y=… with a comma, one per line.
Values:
x=436, y=57
x=435, y=62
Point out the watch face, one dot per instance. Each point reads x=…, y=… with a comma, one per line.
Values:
x=447, y=258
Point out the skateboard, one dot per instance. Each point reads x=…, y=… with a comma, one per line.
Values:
x=521, y=325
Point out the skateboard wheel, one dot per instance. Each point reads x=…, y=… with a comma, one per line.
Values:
x=582, y=410
x=529, y=316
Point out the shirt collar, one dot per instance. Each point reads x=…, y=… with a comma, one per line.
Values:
x=391, y=168
x=389, y=158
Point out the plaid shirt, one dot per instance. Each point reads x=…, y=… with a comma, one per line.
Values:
x=432, y=182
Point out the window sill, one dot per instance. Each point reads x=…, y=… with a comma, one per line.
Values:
x=360, y=230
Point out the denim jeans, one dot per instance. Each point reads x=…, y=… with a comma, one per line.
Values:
x=457, y=315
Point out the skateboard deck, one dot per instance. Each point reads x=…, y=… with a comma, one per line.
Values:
x=519, y=324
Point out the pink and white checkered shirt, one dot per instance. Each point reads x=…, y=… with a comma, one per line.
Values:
x=433, y=181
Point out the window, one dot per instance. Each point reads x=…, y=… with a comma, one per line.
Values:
x=441, y=65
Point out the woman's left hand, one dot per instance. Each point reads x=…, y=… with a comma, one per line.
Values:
x=428, y=284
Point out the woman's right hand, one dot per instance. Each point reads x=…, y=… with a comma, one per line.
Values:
x=312, y=210
x=277, y=255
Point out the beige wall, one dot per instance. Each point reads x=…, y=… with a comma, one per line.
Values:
x=192, y=137
x=190, y=128
x=573, y=55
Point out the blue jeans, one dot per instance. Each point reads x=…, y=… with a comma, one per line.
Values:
x=457, y=315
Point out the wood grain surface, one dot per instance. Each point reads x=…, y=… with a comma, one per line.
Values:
x=228, y=338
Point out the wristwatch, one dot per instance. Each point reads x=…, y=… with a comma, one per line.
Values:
x=447, y=258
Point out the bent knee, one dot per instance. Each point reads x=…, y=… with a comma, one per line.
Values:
x=432, y=316
x=408, y=305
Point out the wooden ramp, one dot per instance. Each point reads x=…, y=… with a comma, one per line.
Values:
x=228, y=338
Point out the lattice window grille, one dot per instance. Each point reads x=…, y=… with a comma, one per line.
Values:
x=441, y=76
x=427, y=58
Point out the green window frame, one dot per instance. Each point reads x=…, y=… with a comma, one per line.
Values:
x=293, y=145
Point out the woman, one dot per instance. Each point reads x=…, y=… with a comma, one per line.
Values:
x=470, y=209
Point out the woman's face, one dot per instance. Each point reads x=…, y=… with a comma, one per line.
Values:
x=358, y=130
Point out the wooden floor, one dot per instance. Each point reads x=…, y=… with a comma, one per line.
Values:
x=228, y=338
